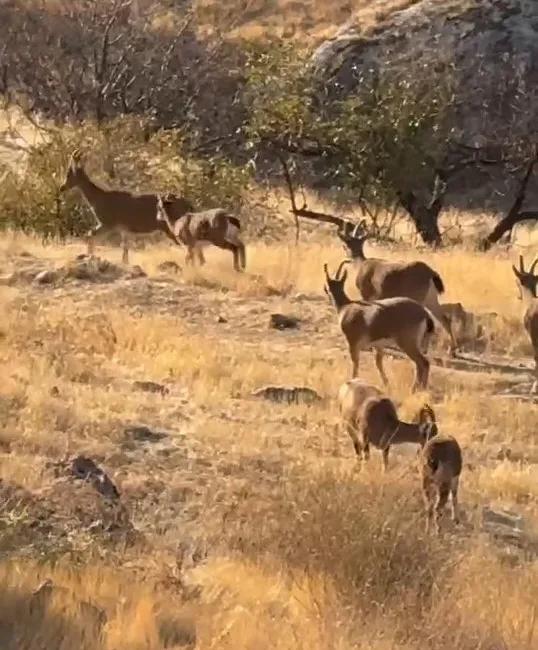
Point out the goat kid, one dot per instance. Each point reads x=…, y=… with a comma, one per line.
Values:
x=214, y=226
x=440, y=467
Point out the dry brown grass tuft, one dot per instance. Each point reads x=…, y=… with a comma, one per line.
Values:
x=302, y=550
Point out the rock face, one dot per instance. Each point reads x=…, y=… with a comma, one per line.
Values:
x=488, y=47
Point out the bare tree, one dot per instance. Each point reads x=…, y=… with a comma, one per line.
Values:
x=99, y=60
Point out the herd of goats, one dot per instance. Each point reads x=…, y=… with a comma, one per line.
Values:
x=398, y=300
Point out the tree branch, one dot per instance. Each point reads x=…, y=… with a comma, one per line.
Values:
x=515, y=215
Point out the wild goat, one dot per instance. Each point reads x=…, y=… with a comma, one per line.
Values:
x=440, y=467
x=214, y=226
x=118, y=210
x=374, y=421
x=401, y=321
x=377, y=278
x=528, y=283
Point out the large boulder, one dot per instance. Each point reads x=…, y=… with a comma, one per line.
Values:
x=489, y=51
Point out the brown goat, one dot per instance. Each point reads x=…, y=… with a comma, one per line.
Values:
x=377, y=278
x=121, y=211
x=528, y=283
x=376, y=423
x=440, y=467
x=214, y=226
x=401, y=321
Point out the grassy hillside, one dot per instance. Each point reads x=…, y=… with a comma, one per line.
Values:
x=255, y=528
x=244, y=524
x=295, y=19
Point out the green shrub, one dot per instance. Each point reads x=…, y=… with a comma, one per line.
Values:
x=118, y=154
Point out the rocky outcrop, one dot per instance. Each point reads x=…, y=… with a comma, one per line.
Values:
x=488, y=49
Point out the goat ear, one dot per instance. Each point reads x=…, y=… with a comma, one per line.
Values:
x=516, y=272
x=429, y=412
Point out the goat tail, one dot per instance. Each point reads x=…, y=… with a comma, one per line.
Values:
x=438, y=282
x=442, y=472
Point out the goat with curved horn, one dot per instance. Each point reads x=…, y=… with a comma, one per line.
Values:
x=378, y=279
x=528, y=284
x=359, y=228
x=341, y=266
x=401, y=321
x=117, y=210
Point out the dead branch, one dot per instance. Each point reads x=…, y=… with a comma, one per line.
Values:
x=303, y=211
x=515, y=214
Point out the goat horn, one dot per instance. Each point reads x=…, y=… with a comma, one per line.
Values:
x=359, y=226
x=76, y=155
x=521, y=265
x=342, y=264
x=326, y=269
x=532, y=266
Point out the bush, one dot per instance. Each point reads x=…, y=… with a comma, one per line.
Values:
x=120, y=154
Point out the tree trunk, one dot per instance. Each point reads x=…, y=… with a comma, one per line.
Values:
x=425, y=218
x=514, y=214
x=505, y=225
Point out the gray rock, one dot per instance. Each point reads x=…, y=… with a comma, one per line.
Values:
x=142, y=433
x=169, y=267
x=151, y=387
x=85, y=468
x=46, y=277
x=284, y=322
x=504, y=525
x=289, y=394
x=489, y=48
x=136, y=272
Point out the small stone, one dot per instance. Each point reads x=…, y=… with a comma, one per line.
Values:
x=46, y=277
x=142, y=433
x=221, y=319
x=169, y=267
x=83, y=467
x=137, y=272
x=289, y=394
x=151, y=387
x=284, y=322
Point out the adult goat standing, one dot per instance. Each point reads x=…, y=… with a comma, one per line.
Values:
x=119, y=210
x=377, y=278
x=401, y=321
x=528, y=283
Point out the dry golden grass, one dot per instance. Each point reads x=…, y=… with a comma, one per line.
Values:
x=301, y=550
x=307, y=21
